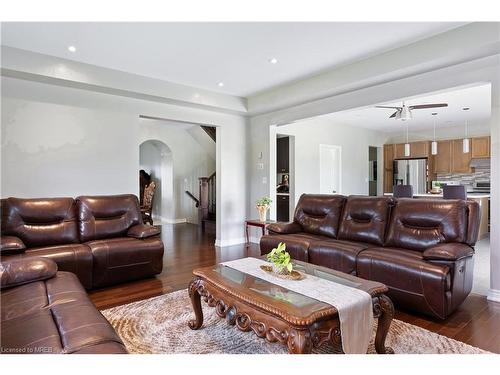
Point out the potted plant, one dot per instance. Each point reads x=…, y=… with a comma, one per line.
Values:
x=262, y=206
x=280, y=259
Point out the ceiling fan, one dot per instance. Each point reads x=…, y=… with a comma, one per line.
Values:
x=403, y=113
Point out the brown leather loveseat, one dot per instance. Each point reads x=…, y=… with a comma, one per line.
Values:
x=101, y=239
x=422, y=249
x=46, y=311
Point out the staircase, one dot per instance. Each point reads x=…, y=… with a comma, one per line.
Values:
x=206, y=203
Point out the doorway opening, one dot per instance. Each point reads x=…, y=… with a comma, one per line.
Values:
x=180, y=158
x=156, y=167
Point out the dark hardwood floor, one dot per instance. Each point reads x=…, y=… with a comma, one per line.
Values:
x=476, y=322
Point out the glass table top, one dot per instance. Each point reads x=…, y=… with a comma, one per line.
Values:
x=285, y=296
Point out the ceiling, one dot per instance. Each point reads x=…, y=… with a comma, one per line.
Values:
x=204, y=54
x=477, y=98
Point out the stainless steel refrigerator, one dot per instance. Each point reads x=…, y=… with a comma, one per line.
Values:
x=411, y=172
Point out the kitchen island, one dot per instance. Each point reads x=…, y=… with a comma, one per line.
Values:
x=481, y=198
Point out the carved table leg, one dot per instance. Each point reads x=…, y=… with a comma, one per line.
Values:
x=196, y=302
x=384, y=323
x=299, y=342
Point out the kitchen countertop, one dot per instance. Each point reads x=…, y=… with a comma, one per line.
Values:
x=287, y=194
x=469, y=195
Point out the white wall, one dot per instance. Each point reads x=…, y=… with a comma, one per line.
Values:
x=189, y=161
x=63, y=141
x=354, y=141
x=51, y=149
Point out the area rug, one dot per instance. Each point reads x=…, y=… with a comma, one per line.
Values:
x=159, y=325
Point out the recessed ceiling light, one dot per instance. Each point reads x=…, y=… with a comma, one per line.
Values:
x=465, y=108
x=72, y=49
x=434, y=113
x=220, y=84
x=273, y=60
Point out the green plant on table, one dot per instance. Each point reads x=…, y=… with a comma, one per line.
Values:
x=264, y=201
x=280, y=258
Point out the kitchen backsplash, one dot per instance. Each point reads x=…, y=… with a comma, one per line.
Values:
x=467, y=179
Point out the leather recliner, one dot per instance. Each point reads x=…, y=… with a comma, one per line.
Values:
x=46, y=311
x=100, y=239
x=422, y=249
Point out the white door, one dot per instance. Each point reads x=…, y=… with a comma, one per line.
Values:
x=330, y=169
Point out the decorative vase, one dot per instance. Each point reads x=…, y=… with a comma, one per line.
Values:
x=262, y=212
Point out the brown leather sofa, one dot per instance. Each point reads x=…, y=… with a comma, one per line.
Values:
x=101, y=239
x=46, y=311
x=421, y=249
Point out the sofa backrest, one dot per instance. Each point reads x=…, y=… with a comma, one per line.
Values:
x=417, y=224
x=107, y=216
x=319, y=213
x=364, y=219
x=40, y=221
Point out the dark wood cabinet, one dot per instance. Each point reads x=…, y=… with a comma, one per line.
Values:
x=282, y=208
x=282, y=155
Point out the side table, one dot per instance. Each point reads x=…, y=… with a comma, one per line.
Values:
x=257, y=223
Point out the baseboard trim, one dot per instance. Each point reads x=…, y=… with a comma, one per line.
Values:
x=230, y=242
x=493, y=295
x=169, y=221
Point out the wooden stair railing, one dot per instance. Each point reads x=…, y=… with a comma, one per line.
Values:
x=196, y=201
x=211, y=131
x=208, y=196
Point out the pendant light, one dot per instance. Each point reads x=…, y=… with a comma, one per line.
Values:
x=434, y=145
x=466, y=140
x=407, y=144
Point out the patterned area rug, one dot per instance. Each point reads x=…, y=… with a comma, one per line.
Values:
x=159, y=325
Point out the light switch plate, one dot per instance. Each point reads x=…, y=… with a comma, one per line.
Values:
x=264, y=180
x=260, y=165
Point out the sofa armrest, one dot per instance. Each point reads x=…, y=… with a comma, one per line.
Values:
x=448, y=251
x=284, y=228
x=11, y=245
x=143, y=231
x=19, y=271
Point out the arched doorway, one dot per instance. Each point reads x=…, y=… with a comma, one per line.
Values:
x=155, y=158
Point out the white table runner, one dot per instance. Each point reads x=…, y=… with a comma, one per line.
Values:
x=354, y=306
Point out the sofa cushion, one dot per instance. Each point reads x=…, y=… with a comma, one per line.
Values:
x=75, y=258
x=107, y=216
x=125, y=258
x=336, y=254
x=11, y=245
x=319, y=213
x=15, y=272
x=54, y=316
x=365, y=219
x=297, y=244
x=412, y=281
x=418, y=224
x=40, y=221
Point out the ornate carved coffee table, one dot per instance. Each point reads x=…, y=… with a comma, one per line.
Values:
x=281, y=315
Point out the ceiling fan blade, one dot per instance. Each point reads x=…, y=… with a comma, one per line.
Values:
x=424, y=106
x=383, y=106
x=394, y=114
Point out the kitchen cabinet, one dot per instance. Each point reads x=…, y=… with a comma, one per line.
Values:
x=282, y=154
x=283, y=208
x=442, y=161
x=388, y=167
x=480, y=147
x=418, y=150
x=460, y=161
x=399, y=151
